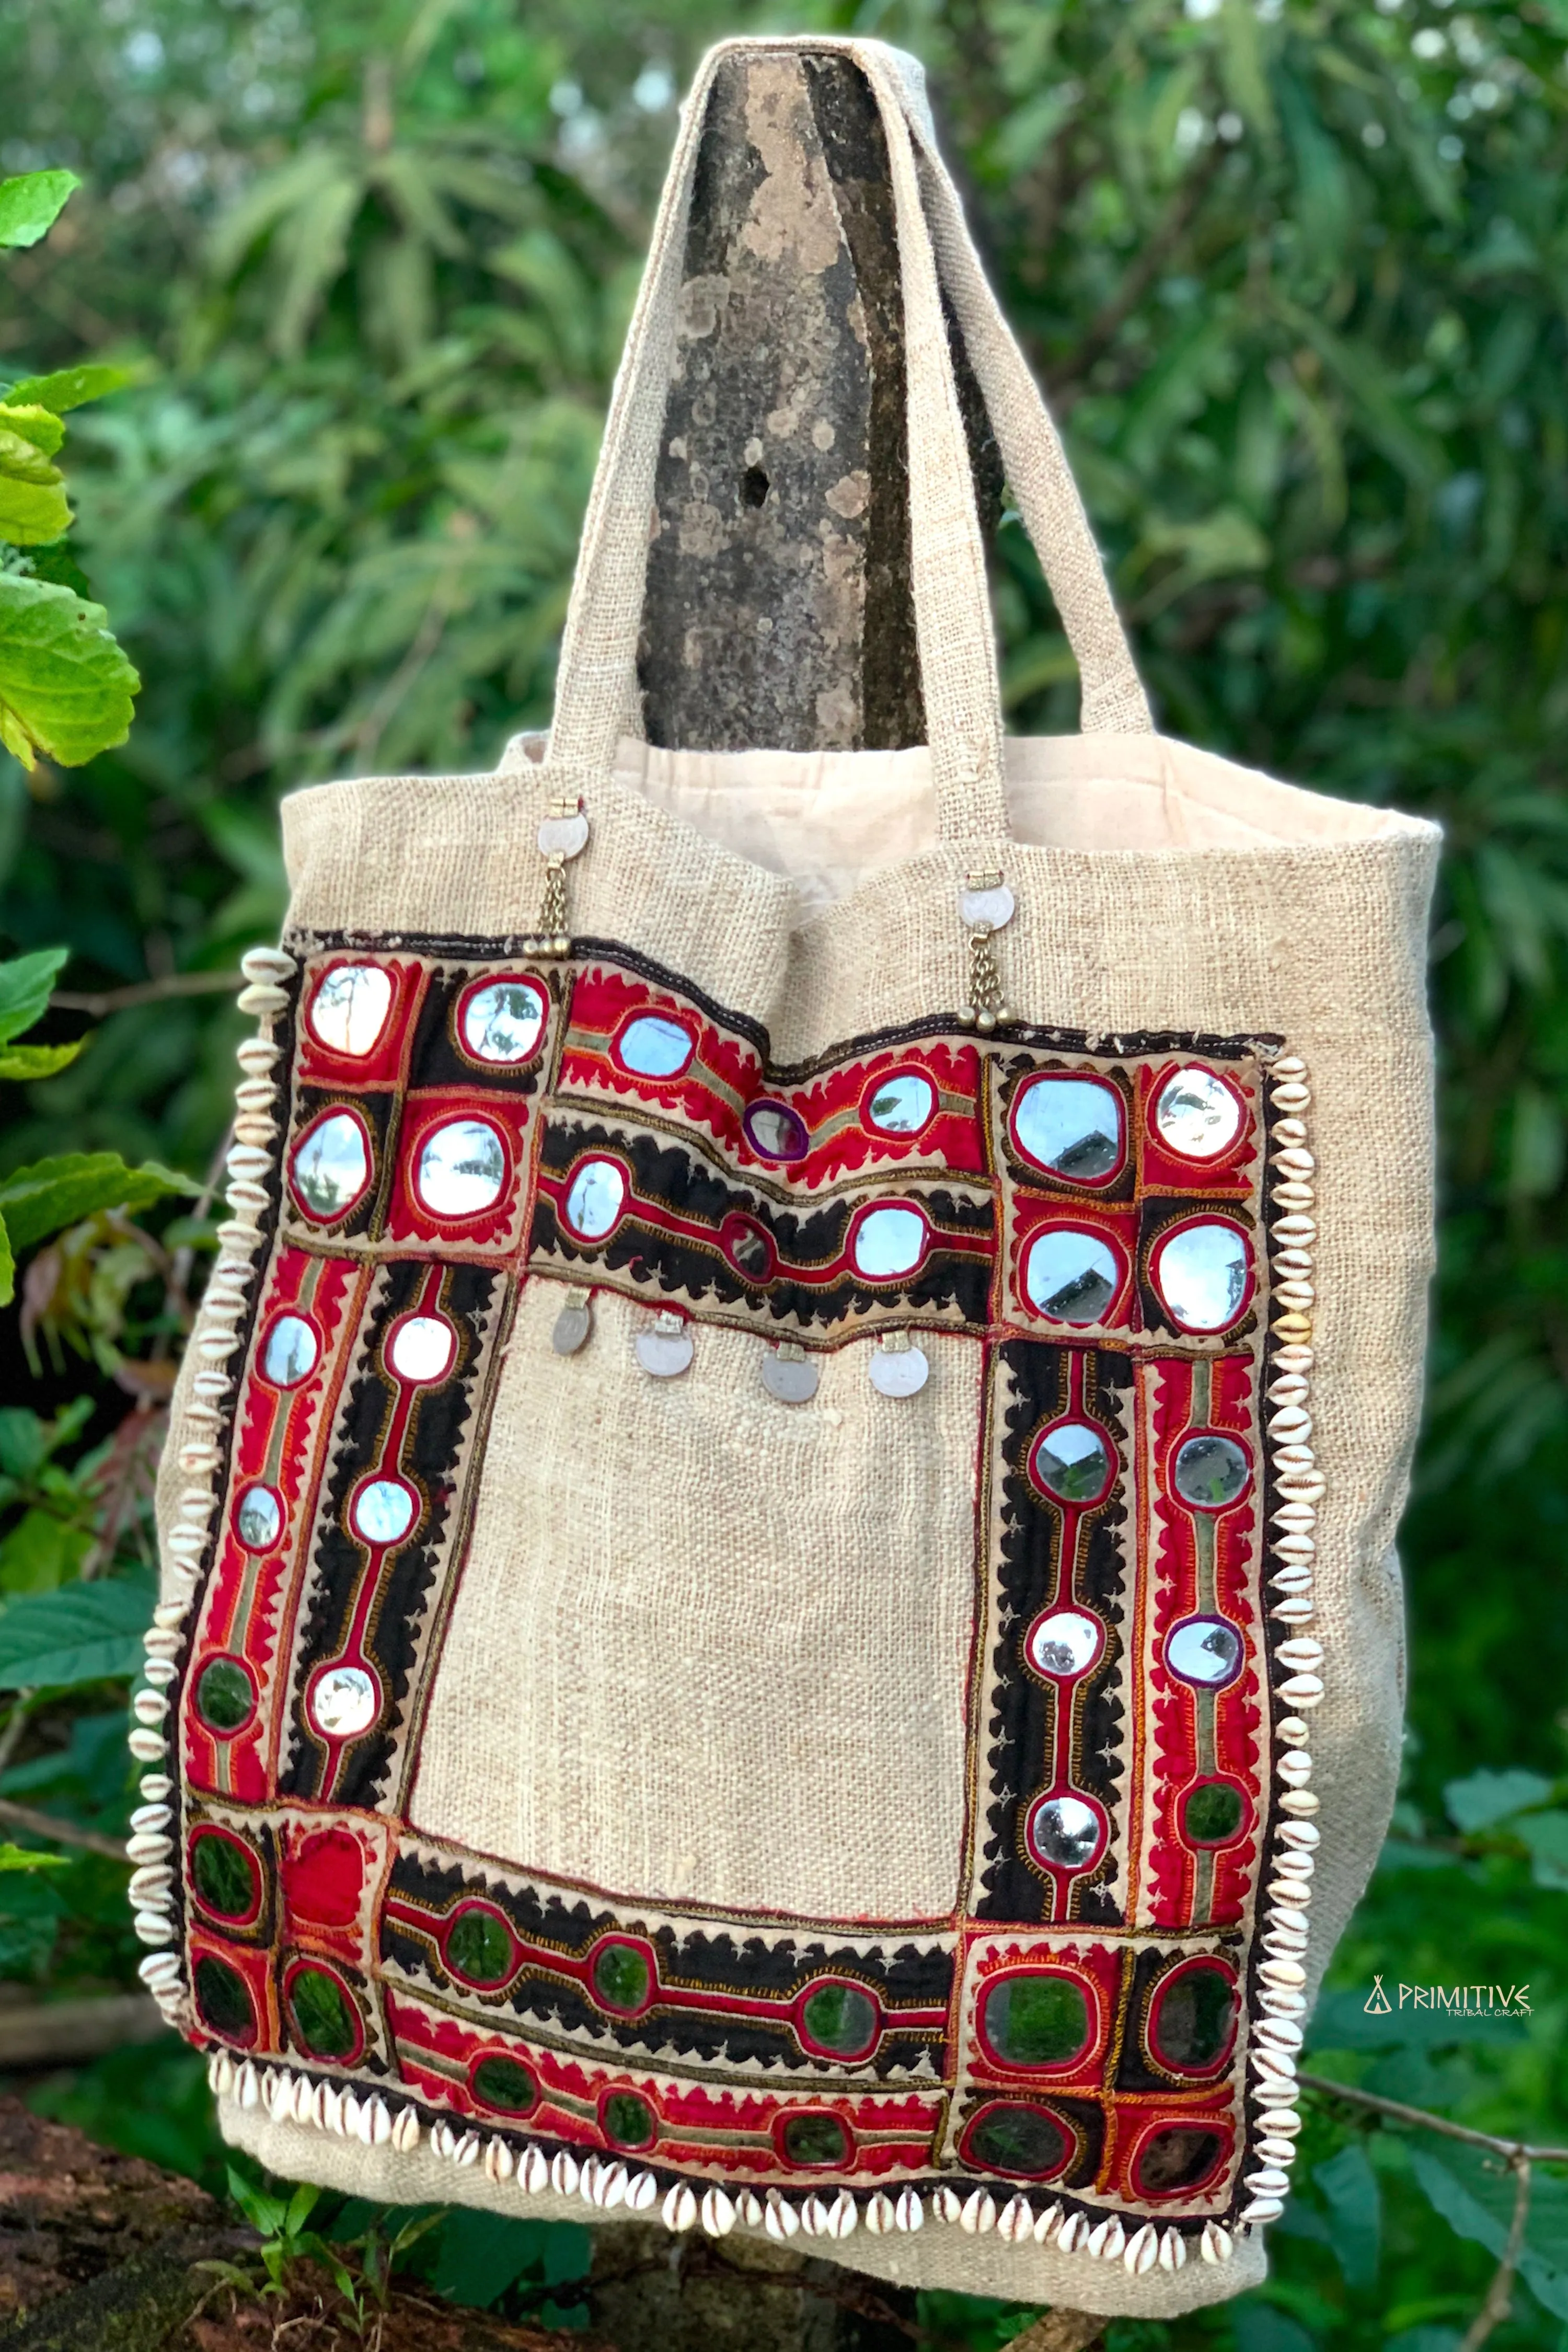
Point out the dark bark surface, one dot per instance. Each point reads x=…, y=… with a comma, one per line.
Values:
x=95, y=2248
x=778, y=606
x=650, y=2293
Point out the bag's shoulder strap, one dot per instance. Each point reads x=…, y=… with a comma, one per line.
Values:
x=1038, y=474
x=1034, y=459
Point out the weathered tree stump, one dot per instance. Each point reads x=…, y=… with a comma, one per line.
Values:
x=778, y=605
x=650, y=2293
x=95, y=2249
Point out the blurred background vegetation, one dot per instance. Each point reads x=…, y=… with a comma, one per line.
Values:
x=1295, y=272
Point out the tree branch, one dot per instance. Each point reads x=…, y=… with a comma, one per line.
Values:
x=1513, y=2151
x=63, y=1832
x=1061, y=2331
x=1499, y=2300
x=64, y=2033
x=147, y=992
x=15, y=1724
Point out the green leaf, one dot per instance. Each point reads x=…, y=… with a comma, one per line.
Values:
x=7, y=1267
x=1241, y=66
x=1484, y=1797
x=41, y=1552
x=1546, y=1835
x=66, y=687
x=1263, y=2327
x=22, y=1062
x=1477, y=2201
x=1381, y=413
x=22, y=1857
x=1349, y=2188
x=30, y=203
x=31, y=1910
x=93, y=1758
x=31, y=513
x=26, y=983
x=68, y=388
x=34, y=423
x=57, y=561
x=78, y=1633
x=27, y=1440
x=480, y=2255
x=263, y=2212
x=301, y=2205
x=33, y=504
x=53, y=1194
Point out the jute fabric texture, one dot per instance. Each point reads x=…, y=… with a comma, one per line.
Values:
x=848, y=1584
x=671, y=1592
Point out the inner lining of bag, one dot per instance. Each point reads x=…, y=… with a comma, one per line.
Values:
x=829, y=818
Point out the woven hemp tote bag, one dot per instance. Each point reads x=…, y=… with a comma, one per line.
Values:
x=778, y=1600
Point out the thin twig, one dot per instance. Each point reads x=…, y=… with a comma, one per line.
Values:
x=65, y=2032
x=127, y=1476
x=1499, y=2300
x=15, y=1724
x=1512, y=2150
x=147, y=992
x=50, y=1825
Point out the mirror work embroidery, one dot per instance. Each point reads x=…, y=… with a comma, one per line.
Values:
x=1118, y=1227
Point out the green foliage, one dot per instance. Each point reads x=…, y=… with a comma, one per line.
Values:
x=78, y=1633
x=23, y=1857
x=66, y=687
x=24, y=985
x=42, y=1200
x=67, y=388
x=151, y=2100
x=1292, y=271
x=280, y=2222
x=48, y=1511
x=1476, y=2196
x=472, y=2258
x=32, y=494
x=30, y=203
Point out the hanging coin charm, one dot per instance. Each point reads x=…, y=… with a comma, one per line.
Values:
x=563, y=835
x=898, y=1369
x=986, y=906
x=572, y=1326
x=665, y=1349
x=789, y=1374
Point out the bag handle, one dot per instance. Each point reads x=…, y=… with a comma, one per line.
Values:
x=597, y=674
x=948, y=581
x=1113, y=701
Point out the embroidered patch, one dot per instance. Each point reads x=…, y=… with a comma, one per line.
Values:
x=1098, y=1222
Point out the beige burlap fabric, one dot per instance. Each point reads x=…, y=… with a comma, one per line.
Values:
x=607, y=1682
